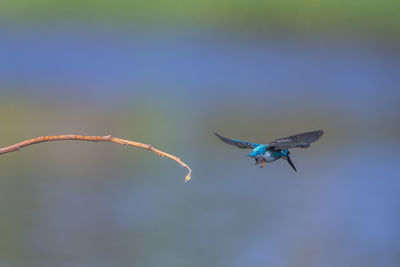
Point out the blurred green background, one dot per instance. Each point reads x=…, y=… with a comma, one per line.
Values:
x=170, y=73
x=367, y=16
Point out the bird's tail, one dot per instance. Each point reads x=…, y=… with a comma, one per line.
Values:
x=291, y=162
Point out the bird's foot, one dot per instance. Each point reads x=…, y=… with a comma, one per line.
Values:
x=263, y=164
x=257, y=161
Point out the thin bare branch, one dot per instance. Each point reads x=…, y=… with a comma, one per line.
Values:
x=107, y=138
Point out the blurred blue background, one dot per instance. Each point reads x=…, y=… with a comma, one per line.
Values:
x=170, y=73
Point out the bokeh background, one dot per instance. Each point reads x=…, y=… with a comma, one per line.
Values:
x=170, y=73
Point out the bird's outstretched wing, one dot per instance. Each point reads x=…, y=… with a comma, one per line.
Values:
x=302, y=140
x=238, y=143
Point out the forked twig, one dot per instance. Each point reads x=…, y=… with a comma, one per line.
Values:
x=107, y=138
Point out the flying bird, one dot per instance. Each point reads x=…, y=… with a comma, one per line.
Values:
x=277, y=149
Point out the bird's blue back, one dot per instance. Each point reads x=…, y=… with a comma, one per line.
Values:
x=262, y=149
x=259, y=151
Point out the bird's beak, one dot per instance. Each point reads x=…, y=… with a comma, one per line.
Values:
x=291, y=163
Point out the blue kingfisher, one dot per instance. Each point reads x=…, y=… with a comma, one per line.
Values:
x=277, y=149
